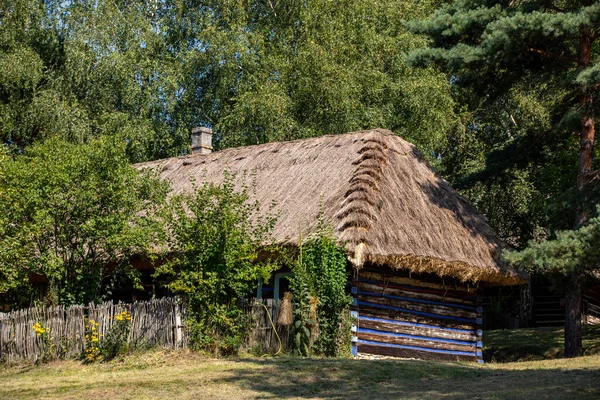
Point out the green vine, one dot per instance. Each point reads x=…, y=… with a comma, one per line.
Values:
x=321, y=301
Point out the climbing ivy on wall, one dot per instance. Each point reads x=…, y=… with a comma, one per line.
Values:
x=320, y=298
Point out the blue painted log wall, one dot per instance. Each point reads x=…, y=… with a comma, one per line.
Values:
x=415, y=317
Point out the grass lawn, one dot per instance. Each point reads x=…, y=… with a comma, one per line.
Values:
x=534, y=344
x=183, y=375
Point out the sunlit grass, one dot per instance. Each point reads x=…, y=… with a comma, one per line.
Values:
x=185, y=375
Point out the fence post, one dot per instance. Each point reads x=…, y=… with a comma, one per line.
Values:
x=178, y=330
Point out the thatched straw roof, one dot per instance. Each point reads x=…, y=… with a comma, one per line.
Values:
x=386, y=204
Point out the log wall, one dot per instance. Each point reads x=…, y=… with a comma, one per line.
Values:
x=415, y=317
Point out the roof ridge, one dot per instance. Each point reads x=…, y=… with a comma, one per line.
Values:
x=358, y=208
x=227, y=150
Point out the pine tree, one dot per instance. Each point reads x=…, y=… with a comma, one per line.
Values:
x=494, y=46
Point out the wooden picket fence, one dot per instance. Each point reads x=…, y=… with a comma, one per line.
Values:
x=156, y=322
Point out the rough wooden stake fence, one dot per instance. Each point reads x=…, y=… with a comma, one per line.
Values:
x=153, y=323
x=158, y=322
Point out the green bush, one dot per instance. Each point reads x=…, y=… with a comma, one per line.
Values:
x=48, y=347
x=74, y=215
x=217, y=235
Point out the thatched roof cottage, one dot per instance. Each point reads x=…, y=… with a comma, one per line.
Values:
x=420, y=249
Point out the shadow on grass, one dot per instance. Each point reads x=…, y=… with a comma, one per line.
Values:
x=534, y=344
x=365, y=379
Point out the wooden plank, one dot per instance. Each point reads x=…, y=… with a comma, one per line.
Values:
x=409, y=328
x=384, y=337
x=415, y=293
x=451, y=290
x=390, y=351
x=382, y=304
x=379, y=312
x=409, y=304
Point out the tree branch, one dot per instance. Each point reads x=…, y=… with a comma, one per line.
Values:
x=549, y=55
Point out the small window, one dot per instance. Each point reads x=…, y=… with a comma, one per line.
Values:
x=280, y=285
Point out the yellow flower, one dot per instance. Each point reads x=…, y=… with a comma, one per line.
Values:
x=39, y=329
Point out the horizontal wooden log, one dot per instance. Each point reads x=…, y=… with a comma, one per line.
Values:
x=409, y=304
x=415, y=293
x=389, y=351
x=451, y=290
x=379, y=312
x=391, y=338
x=408, y=328
x=437, y=313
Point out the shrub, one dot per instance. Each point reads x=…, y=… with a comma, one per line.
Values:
x=92, y=350
x=217, y=235
x=74, y=214
x=100, y=347
x=48, y=347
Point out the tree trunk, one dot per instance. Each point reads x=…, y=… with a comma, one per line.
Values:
x=573, y=344
x=586, y=153
x=586, y=145
x=586, y=136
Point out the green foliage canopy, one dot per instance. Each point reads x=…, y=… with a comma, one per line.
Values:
x=255, y=71
x=533, y=84
x=83, y=69
x=512, y=166
x=569, y=253
x=279, y=70
x=494, y=44
x=74, y=215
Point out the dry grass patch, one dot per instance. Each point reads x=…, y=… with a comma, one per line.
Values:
x=185, y=375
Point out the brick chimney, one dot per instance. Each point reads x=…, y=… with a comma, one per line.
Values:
x=201, y=140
